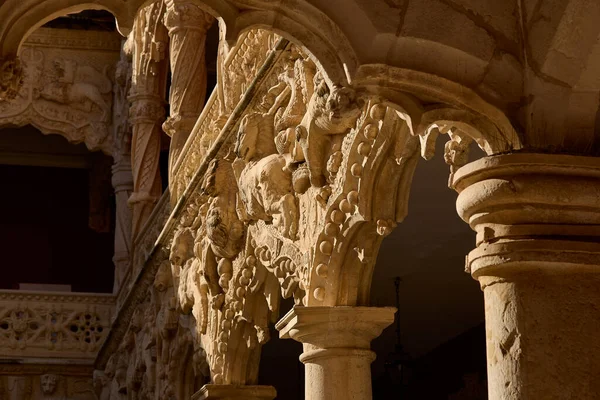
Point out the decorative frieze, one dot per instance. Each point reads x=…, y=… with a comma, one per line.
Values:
x=63, y=91
x=62, y=326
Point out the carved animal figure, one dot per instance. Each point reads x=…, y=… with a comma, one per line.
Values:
x=264, y=179
x=223, y=230
x=330, y=114
x=76, y=85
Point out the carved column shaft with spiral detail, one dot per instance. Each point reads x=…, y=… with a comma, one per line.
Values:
x=187, y=25
x=148, y=44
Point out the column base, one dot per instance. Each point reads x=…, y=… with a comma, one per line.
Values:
x=235, y=392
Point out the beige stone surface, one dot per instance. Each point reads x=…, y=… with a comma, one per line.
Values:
x=66, y=327
x=337, y=351
x=536, y=218
x=232, y=392
x=286, y=183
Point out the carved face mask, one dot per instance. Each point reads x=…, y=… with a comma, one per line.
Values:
x=48, y=383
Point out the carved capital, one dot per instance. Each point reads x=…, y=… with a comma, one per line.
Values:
x=530, y=210
x=146, y=109
x=235, y=392
x=11, y=78
x=185, y=14
x=335, y=327
x=337, y=351
x=178, y=123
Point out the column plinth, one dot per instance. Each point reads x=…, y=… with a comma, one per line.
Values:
x=537, y=219
x=337, y=352
x=235, y=392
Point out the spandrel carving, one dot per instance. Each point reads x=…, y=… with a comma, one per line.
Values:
x=61, y=91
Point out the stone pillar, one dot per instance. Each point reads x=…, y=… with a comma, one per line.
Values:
x=148, y=45
x=235, y=392
x=537, y=219
x=122, y=182
x=122, y=178
x=337, y=352
x=187, y=25
x=146, y=116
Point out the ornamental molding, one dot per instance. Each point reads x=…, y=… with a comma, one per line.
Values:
x=74, y=40
x=57, y=297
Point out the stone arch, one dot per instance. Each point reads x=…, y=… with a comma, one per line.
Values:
x=24, y=17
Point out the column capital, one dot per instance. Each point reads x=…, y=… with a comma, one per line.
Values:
x=531, y=210
x=186, y=14
x=537, y=218
x=235, y=392
x=332, y=327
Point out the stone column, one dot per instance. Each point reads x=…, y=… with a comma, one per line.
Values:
x=122, y=178
x=146, y=116
x=122, y=182
x=537, y=219
x=148, y=45
x=187, y=25
x=235, y=392
x=337, y=352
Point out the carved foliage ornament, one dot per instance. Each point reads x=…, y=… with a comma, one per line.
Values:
x=295, y=204
x=297, y=176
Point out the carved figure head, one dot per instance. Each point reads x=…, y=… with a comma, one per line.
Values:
x=163, y=279
x=341, y=109
x=182, y=248
x=256, y=137
x=48, y=383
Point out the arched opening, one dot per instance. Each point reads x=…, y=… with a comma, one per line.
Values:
x=57, y=215
x=439, y=351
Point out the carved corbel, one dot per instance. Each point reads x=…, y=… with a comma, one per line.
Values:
x=11, y=78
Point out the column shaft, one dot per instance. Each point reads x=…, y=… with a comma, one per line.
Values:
x=187, y=25
x=537, y=219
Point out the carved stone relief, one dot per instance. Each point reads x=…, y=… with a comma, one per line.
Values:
x=291, y=183
x=53, y=325
x=147, y=44
x=64, y=91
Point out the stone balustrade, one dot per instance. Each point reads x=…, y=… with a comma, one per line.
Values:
x=64, y=326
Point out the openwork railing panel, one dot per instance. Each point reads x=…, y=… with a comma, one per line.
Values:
x=53, y=325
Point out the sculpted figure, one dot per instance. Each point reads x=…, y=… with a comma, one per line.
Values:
x=264, y=177
x=101, y=384
x=181, y=259
x=48, y=383
x=222, y=231
x=11, y=79
x=330, y=115
x=76, y=85
x=167, y=317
